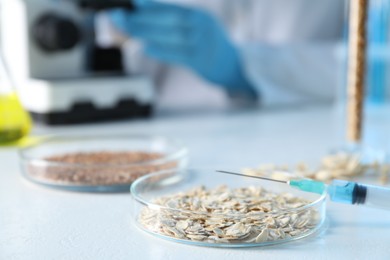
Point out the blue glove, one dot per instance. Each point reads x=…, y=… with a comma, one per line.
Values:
x=188, y=37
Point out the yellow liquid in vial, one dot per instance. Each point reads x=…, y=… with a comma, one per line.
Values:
x=15, y=122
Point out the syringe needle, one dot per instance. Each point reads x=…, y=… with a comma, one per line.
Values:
x=251, y=176
x=303, y=185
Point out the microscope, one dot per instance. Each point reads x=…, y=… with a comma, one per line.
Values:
x=62, y=75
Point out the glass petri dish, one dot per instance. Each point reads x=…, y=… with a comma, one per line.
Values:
x=208, y=226
x=101, y=163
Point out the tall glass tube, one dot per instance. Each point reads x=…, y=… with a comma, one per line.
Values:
x=378, y=54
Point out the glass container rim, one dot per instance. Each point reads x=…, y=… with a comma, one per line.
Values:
x=317, y=202
x=180, y=152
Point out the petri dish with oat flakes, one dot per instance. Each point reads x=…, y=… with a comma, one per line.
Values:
x=101, y=163
x=207, y=208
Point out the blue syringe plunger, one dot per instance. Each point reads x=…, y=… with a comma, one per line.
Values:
x=347, y=192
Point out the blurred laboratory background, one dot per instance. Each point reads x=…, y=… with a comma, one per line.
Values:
x=77, y=61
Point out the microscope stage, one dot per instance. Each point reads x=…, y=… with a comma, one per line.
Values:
x=88, y=100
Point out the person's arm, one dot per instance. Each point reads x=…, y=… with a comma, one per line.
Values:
x=189, y=37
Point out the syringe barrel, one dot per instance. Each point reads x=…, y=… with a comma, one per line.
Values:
x=355, y=193
x=377, y=197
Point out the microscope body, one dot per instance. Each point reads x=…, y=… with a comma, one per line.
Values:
x=61, y=73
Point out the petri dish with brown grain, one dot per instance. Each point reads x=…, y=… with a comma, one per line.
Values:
x=101, y=163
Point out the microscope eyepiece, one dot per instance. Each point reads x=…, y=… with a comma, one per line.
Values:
x=106, y=4
x=55, y=33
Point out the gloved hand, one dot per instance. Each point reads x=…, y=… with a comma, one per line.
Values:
x=189, y=37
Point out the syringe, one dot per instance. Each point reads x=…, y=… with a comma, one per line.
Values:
x=339, y=191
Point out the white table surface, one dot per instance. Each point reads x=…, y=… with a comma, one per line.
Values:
x=41, y=223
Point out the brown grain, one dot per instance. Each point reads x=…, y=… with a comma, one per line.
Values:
x=98, y=168
x=356, y=68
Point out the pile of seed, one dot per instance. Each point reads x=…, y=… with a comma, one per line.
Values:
x=97, y=168
x=223, y=215
x=335, y=166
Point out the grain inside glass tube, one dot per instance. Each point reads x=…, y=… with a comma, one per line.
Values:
x=356, y=69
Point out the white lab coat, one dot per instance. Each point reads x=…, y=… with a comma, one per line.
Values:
x=289, y=48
